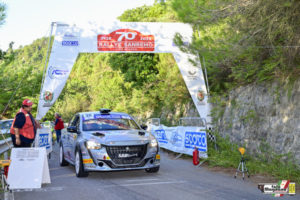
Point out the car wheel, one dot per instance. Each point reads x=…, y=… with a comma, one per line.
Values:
x=152, y=170
x=79, y=165
x=62, y=161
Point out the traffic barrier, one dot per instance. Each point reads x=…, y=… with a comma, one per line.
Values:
x=181, y=139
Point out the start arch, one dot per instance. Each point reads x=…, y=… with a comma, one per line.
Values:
x=120, y=37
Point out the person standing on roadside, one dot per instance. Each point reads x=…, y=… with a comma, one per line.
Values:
x=59, y=125
x=24, y=127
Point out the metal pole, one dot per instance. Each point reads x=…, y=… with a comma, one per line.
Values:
x=206, y=75
x=205, y=72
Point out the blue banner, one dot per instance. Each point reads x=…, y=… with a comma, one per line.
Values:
x=44, y=140
x=195, y=139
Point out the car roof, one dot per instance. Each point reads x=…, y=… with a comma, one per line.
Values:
x=98, y=112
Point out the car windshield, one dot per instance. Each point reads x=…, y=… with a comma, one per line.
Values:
x=109, y=124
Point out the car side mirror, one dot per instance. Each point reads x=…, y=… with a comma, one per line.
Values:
x=72, y=129
x=143, y=126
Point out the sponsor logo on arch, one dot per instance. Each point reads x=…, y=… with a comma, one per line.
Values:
x=57, y=73
x=125, y=40
x=48, y=97
x=69, y=39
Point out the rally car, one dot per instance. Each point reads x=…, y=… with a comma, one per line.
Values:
x=107, y=141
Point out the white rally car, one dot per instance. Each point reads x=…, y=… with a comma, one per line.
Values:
x=108, y=141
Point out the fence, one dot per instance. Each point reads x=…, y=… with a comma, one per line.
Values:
x=5, y=145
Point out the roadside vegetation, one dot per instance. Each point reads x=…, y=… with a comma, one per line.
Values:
x=280, y=166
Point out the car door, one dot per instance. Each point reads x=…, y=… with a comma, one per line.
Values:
x=66, y=139
x=73, y=137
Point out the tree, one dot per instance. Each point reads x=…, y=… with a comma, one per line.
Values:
x=2, y=20
x=244, y=41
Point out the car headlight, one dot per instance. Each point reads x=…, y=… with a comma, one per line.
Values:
x=91, y=144
x=153, y=143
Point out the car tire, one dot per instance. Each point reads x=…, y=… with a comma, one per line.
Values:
x=152, y=170
x=79, y=169
x=62, y=161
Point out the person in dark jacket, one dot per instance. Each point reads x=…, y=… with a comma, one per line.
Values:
x=24, y=127
x=59, y=125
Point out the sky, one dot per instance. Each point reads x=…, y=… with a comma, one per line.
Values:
x=28, y=20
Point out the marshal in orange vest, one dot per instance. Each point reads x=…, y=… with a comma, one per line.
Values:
x=28, y=129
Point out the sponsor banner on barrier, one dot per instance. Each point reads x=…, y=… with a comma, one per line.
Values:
x=44, y=139
x=181, y=139
x=161, y=136
x=195, y=139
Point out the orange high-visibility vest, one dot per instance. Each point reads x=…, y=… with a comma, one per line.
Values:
x=28, y=129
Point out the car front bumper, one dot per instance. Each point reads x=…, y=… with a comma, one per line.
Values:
x=99, y=160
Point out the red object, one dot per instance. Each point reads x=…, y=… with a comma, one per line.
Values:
x=125, y=40
x=28, y=129
x=6, y=168
x=27, y=102
x=196, y=156
x=59, y=125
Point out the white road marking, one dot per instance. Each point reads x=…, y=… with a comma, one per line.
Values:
x=49, y=189
x=141, y=184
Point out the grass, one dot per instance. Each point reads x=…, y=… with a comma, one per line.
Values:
x=281, y=166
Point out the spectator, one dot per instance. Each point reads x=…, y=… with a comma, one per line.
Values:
x=59, y=125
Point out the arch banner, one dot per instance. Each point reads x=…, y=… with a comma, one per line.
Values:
x=120, y=37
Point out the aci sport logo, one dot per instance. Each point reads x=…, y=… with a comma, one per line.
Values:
x=56, y=73
x=125, y=40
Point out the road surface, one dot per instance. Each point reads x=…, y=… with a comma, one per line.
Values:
x=176, y=180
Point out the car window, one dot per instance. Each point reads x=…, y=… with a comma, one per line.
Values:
x=108, y=124
x=74, y=120
x=77, y=122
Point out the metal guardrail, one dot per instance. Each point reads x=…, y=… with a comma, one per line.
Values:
x=5, y=145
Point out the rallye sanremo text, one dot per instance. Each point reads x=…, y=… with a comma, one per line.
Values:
x=107, y=141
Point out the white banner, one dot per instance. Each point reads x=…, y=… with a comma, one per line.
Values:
x=116, y=37
x=181, y=139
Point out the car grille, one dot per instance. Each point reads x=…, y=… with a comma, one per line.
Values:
x=112, y=165
x=127, y=155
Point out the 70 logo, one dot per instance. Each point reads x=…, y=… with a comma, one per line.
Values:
x=126, y=35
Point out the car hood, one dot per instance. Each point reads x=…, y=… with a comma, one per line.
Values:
x=122, y=137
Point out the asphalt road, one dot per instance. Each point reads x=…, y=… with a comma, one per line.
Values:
x=177, y=179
